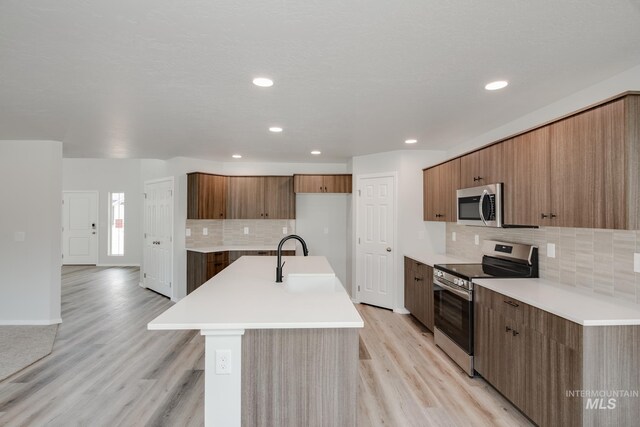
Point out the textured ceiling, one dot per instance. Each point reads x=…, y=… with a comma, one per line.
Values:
x=164, y=78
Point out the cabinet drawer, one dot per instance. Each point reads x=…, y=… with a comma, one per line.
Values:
x=554, y=327
x=508, y=307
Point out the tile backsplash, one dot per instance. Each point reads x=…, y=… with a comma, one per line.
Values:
x=597, y=260
x=231, y=231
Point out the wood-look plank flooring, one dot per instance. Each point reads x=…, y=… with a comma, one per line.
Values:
x=106, y=369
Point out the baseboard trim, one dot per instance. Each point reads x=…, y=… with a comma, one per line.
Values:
x=118, y=265
x=39, y=322
x=142, y=285
x=355, y=301
x=401, y=310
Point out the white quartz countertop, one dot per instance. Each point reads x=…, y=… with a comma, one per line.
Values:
x=245, y=296
x=569, y=303
x=432, y=259
x=288, y=246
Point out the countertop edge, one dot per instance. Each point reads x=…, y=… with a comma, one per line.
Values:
x=231, y=326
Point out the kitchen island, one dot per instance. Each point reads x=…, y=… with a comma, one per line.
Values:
x=281, y=354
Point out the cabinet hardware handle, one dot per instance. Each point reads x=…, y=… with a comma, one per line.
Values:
x=511, y=303
x=261, y=214
x=553, y=215
x=325, y=189
x=266, y=214
x=514, y=332
x=507, y=329
x=321, y=189
x=543, y=216
x=418, y=279
x=478, y=178
x=439, y=215
x=221, y=215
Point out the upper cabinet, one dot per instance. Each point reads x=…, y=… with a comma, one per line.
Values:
x=207, y=196
x=440, y=185
x=322, y=183
x=580, y=171
x=482, y=167
x=261, y=197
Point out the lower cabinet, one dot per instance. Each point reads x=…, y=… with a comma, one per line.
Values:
x=418, y=291
x=530, y=356
x=203, y=266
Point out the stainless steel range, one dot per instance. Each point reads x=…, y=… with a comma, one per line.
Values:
x=453, y=294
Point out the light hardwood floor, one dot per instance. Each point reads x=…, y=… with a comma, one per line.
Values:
x=106, y=369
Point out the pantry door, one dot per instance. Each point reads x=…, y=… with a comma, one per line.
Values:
x=158, y=236
x=80, y=227
x=375, y=241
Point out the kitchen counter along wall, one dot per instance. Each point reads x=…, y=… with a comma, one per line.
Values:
x=600, y=261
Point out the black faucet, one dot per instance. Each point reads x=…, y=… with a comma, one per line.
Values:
x=279, y=266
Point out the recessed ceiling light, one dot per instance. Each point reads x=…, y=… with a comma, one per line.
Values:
x=275, y=129
x=316, y=152
x=263, y=82
x=237, y=156
x=498, y=84
x=410, y=141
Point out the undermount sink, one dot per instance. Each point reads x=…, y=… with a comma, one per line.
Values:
x=312, y=283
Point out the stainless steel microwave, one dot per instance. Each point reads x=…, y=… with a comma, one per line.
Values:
x=481, y=206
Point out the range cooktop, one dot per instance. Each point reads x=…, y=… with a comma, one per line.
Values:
x=504, y=260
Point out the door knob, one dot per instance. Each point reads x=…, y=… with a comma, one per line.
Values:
x=388, y=249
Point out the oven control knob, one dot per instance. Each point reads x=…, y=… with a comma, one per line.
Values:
x=461, y=282
x=455, y=282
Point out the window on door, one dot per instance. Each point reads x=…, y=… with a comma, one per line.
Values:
x=116, y=224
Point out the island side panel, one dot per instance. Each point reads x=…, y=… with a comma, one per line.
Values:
x=295, y=377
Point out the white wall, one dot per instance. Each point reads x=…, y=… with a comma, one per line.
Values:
x=413, y=234
x=623, y=82
x=178, y=168
x=321, y=220
x=31, y=196
x=111, y=176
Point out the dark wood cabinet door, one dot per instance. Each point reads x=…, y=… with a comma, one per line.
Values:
x=431, y=190
x=279, y=198
x=449, y=182
x=611, y=171
x=527, y=183
x=573, y=158
x=427, y=295
x=308, y=184
x=337, y=183
x=245, y=197
x=206, y=196
x=482, y=167
x=410, y=295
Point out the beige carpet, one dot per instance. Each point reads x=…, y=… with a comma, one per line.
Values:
x=20, y=346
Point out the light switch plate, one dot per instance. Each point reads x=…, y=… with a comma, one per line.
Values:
x=453, y=236
x=284, y=230
x=187, y=232
x=205, y=231
x=636, y=262
x=246, y=230
x=551, y=250
x=477, y=239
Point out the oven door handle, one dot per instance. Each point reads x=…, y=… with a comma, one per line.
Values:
x=464, y=294
x=481, y=204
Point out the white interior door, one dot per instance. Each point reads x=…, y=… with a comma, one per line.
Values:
x=375, y=240
x=158, y=236
x=80, y=227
